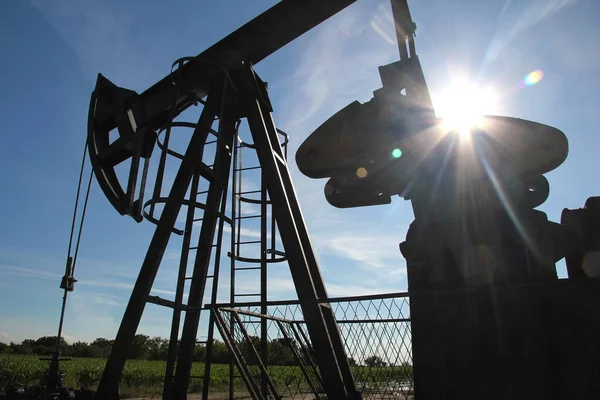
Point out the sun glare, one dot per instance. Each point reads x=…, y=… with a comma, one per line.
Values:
x=462, y=106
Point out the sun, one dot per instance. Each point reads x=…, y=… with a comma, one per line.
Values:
x=463, y=104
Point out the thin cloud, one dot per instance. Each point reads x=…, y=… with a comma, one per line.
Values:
x=103, y=39
x=29, y=272
x=331, y=72
x=368, y=250
x=119, y=285
x=510, y=27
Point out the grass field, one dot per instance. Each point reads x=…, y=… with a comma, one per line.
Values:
x=140, y=377
x=144, y=377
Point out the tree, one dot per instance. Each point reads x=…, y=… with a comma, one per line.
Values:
x=199, y=353
x=15, y=348
x=103, y=346
x=374, y=361
x=3, y=347
x=280, y=352
x=158, y=348
x=45, y=345
x=139, y=347
x=220, y=354
x=351, y=362
x=83, y=349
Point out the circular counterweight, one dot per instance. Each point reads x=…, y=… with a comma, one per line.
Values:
x=396, y=155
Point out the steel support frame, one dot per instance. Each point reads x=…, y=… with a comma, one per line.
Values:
x=320, y=320
x=213, y=299
x=297, y=356
x=216, y=193
x=236, y=354
x=179, y=291
x=108, y=387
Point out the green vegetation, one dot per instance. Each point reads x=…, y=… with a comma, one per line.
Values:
x=146, y=348
x=139, y=376
x=145, y=377
x=144, y=371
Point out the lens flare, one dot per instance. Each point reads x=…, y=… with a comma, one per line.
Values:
x=361, y=172
x=532, y=78
x=463, y=104
x=396, y=153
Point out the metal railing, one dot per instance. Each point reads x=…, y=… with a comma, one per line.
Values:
x=375, y=330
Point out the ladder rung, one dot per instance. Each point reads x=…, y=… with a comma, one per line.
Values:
x=206, y=172
x=247, y=168
x=246, y=268
x=249, y=242
x=247, y=294
x=249, y=192
x=191, y=277
x=196, y=247
x=248, y=217
x=159, y=301
x=202, y=192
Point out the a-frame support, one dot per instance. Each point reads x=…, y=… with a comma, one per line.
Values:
x=236, y=94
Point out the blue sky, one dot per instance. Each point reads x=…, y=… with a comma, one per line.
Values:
x=52, y=52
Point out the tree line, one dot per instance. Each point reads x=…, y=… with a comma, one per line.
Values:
x=143, y=347
x=279, y=351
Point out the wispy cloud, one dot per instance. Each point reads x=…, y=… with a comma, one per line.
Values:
x=120, y=285
x=102, y=41
x=331, y=73
x=371, y=251
x=106, y=300
x=525, y=16
x=28, y=272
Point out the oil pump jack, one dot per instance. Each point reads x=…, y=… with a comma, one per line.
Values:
x=487, y=309
x=489, y=317
x=223, y=80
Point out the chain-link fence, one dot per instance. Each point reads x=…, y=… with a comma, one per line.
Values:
x=275, y=358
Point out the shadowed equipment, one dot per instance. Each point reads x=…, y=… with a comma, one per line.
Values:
x=485, y=298
x=489, y=318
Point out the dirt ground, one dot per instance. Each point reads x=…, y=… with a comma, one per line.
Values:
x=213, y=396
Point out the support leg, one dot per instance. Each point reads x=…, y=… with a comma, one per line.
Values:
x=109, y=383
x=216, y=191
x=319, y=318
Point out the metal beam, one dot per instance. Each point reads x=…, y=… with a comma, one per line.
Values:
x=252, y=43
x=109, y=383
x=217, y=188
x=338, y=380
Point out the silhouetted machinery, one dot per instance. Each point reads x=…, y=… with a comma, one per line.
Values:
x=223, y=80
x=490, y=319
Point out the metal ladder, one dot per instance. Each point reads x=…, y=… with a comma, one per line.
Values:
x=196, y=200
x=252, y=250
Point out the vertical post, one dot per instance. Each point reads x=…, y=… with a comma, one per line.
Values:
x=236, y=189
x=109, y=383
x=222, y=166
x=263, y=280
x=339, y=383
x=213, y=300
x=183, y=262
